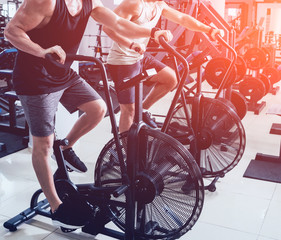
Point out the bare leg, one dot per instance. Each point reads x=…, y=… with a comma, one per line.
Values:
x=94, y=112
x=165, y=82
x=40, y=159
x=126, y=116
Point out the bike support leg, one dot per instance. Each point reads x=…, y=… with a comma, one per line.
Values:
x=36, y=208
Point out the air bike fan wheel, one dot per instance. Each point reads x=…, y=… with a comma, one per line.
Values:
x=220, y=136
x=169, y=186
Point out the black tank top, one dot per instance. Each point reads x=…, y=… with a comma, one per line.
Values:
x=33, y=75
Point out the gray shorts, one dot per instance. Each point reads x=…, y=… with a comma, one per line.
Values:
x=40, y=109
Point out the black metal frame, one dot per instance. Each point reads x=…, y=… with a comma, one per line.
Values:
x=182, y=92
x=61, y=174
x=99, y=196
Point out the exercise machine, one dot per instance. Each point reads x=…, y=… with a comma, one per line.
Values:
x=209, y=127
x=146, y=182
x=11, y=115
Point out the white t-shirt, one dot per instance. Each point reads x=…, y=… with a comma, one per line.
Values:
x=121, y=55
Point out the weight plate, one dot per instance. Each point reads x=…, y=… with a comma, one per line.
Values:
x=215, y=71
x=255, y=58
x=240, y=103
x=241, y=68
x=228, y=103
x=252, y=88
x=266, y=82
x=272, y=74
x=237, y=102
x=267, y=54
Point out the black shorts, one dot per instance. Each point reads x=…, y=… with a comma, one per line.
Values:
x=120, y=72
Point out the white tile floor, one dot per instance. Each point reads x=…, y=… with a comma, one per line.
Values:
x=240, y=208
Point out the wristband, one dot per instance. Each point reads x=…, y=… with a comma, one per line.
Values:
x=153, y=30
x=132, y=44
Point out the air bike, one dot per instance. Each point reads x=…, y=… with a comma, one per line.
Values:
x=209, y=128
x=146, y=182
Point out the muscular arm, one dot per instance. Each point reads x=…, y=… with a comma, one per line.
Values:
x=118, y=24
x=183, y=19
x=30, y=15
x=127, y=10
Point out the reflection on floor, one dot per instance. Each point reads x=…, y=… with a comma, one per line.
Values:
x=240, y=208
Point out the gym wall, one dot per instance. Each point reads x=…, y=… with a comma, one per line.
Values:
x=219, y=5
x=89, y=39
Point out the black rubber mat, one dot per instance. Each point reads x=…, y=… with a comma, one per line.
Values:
x=264, y=170
x=12, y=142
x=275, y=129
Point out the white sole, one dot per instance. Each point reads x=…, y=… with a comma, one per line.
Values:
x=71, y=167
x=60, y=224
x=67, y=164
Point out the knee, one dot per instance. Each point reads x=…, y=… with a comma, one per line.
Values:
x=172, y=80
x=102, y=108
x=168, y=78
x=42, y=145
x=95, y=109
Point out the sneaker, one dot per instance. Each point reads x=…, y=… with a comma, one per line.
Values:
x=72, y=161
x=146, y=117
x=67, y=168
x=69, y=218
x=189, y=185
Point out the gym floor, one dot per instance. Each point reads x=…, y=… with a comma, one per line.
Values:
x=240, y=209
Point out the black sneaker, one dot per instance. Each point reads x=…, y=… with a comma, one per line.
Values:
x=72, y=161
x=189, y=185
x=69, y=218
x=146, y=117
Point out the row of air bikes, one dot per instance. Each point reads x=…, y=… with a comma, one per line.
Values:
x=149, y=182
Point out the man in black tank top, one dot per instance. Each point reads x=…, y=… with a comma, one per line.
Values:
x=57, y=26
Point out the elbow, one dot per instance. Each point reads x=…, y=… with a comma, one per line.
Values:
x=99, y=14
x=95, y=14
x=105, y=29
x=7, y=32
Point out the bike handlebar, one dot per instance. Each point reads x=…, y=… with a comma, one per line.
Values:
x=171, y=50
x=148, y=73
x=225, y=44
x=231, y=65
x=52, y=58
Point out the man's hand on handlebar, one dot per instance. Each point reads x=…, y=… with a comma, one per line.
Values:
x=165, y=33
x=58, y=51
x=215, y=32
